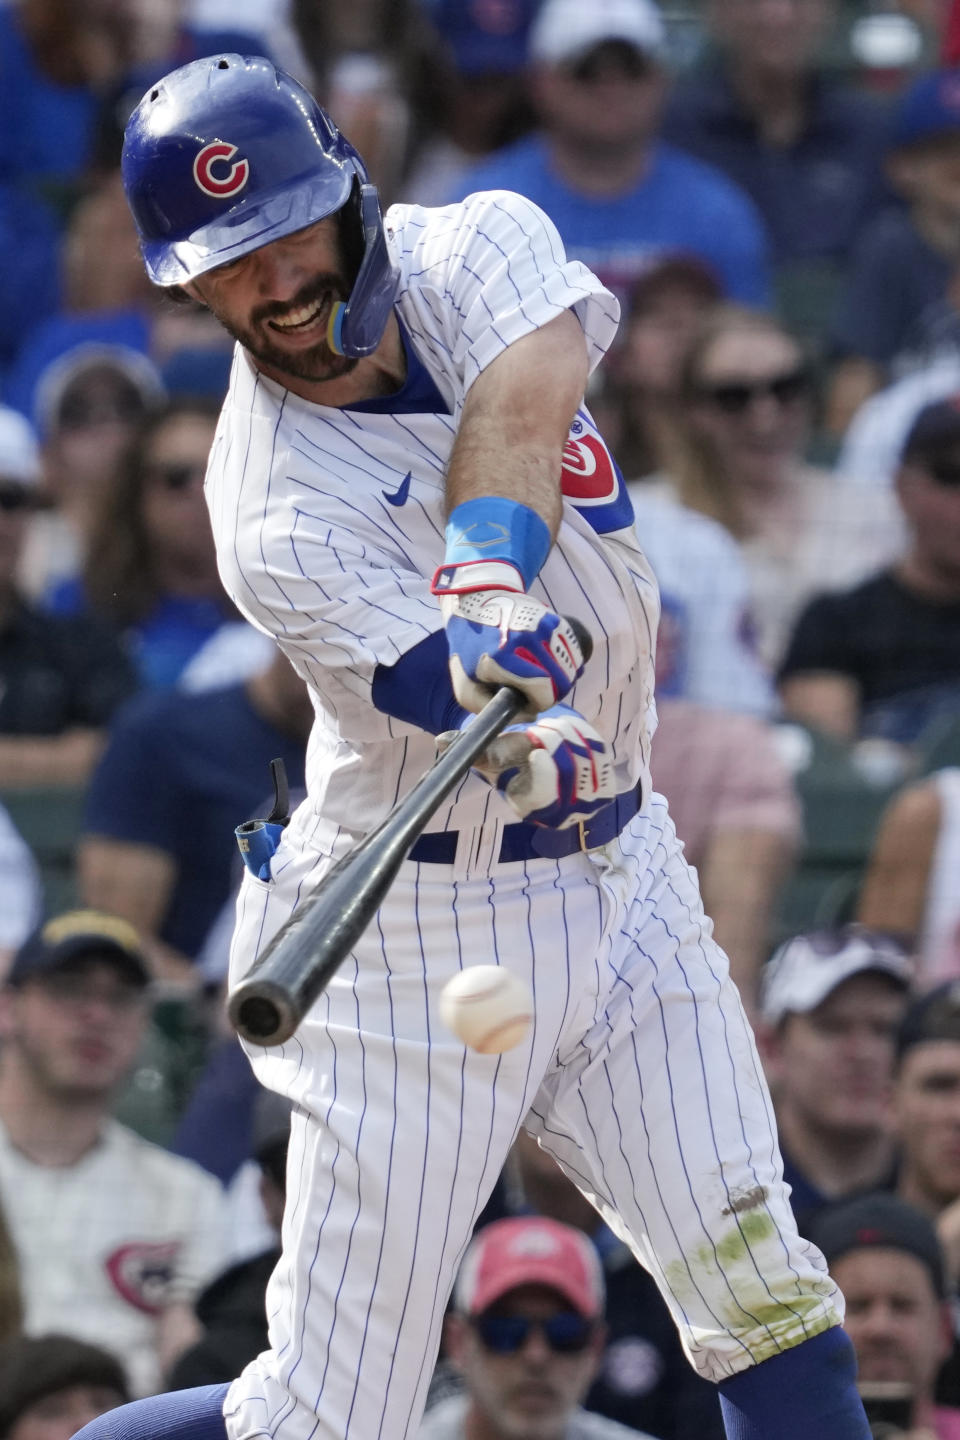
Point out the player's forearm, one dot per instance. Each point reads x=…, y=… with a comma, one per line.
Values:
x=516, y=419
x=504, y=504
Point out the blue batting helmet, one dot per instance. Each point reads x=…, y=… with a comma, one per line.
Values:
x=228, y=153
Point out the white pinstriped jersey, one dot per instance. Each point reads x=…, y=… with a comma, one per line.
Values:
x=329, y=522
x=639, y=1072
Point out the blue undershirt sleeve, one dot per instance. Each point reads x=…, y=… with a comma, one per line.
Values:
x=418, y=688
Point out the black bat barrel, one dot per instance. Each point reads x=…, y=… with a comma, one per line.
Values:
x=269, y=1004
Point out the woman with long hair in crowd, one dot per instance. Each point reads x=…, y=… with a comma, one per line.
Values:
x=151, y=568
x=743, y=429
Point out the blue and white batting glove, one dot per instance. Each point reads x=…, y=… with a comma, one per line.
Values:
x=556, y=771
x=499, y=635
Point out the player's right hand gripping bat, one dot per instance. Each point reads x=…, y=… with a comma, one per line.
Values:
x=297, y=964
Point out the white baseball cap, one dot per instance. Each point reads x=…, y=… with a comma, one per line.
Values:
x=809, y=967
x=565, y=30
x=19, y=456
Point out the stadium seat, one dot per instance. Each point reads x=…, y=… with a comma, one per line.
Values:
x=49, y=820
x=939, y=746
x=841, y=805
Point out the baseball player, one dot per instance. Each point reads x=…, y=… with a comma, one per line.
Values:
x=407, y=491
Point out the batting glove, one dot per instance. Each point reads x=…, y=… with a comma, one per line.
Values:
x=499, y=635
x=555, y=772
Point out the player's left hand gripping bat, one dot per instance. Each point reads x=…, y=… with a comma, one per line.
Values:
x=297, y=964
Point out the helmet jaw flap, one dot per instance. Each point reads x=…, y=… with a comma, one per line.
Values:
x=357, y=327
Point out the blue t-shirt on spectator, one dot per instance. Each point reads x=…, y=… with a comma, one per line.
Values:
x=814, y=194
x=180, y=772
x=679, y=204
x=163, y=643
x=47, y=128
x=29, y=271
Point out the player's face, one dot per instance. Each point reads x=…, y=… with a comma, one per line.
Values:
x=77, y=1030
x=277, y=300
x=927, y=1111
x=530, y=1393
x=834, y=1066
x=751, y=404
x=61, y=1415
x=898, y=1327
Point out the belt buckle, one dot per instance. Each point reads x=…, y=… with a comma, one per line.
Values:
x=582, y=835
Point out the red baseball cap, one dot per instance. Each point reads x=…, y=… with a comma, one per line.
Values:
x=530, y=1250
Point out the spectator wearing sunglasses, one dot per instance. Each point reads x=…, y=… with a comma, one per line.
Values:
x=742, y=430
x=618, y=196
x=644, y=1380
x=883, y=659
x=831, y=1002
x=88, y=403
x=526, y=1334
x=60, y=678
x=151, y=569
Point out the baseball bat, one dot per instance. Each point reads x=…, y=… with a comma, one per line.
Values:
x=298, y=963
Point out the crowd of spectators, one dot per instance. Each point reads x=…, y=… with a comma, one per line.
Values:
x=771, y=188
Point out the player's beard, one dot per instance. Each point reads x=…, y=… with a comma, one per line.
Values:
x=317, y=363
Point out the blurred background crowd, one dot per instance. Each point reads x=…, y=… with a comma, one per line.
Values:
x=772, y=189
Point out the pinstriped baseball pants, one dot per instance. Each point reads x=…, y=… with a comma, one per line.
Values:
x=639, y=1074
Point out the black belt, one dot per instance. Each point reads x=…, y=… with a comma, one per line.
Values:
x=538, y=842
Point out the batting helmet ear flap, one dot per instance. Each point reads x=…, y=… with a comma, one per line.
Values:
x=355, y=328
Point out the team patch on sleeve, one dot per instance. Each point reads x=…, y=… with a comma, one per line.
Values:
x=591, y=479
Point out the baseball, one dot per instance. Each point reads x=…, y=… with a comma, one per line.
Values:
x=487, y=1007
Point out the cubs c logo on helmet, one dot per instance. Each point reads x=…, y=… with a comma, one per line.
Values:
x=218, y=152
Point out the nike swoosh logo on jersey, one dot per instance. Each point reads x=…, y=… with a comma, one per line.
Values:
x=398, y=496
